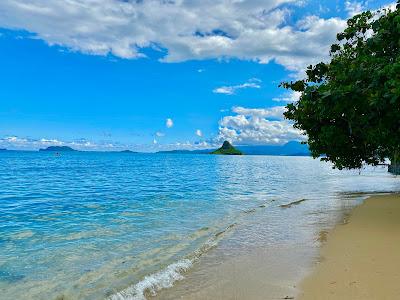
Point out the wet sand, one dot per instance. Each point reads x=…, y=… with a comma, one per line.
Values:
x=266, y=256
x=259, y=275
x=361, y=259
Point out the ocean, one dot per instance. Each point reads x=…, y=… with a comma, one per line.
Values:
x=88, y=225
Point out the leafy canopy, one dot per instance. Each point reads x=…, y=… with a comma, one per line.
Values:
x=350, y=107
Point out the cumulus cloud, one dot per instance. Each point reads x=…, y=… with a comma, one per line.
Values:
x=253, y=83
x=169, y=123
x=257, y=126
x=199, y=133
x=183, y=30
x=22, y=143
x=275, y=112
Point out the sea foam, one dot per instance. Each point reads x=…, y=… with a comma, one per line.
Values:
x=153, y=283
x=166, y=278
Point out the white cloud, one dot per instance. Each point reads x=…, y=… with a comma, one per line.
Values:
x=186, y=145
x=199, y=133
x=52, y=142
x=353, y=7
x=257, y=126
x=290, y=96
x=20, y=143
x=275, y=112
x=13, y=140
x=253, y=30
x=169, y=123
x=159, y=134
x=253, y=83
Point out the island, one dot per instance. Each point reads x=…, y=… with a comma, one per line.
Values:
x=127, y=151
x=291, y=148
x=227, y=149
x=3, y=149
x=58, y=149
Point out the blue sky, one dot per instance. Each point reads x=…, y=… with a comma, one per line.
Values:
x=110, y=74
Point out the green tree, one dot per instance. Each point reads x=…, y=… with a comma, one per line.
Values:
x=350, y=107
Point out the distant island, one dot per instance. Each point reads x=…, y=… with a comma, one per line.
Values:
x=227, y=149
x=127, y=151
x=292, y=148
x=3, y=149
x=58, y=149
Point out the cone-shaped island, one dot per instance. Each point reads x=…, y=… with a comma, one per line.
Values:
x=227, y=149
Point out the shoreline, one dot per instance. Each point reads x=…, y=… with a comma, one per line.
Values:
x=268, y=270
x=360, y=259
x=278, y=272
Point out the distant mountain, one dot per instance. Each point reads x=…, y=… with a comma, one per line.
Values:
x=3, y=149
x=292, y=148
x=58, y=149
x=227, y=149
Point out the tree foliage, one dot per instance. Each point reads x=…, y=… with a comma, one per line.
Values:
x=350, y=107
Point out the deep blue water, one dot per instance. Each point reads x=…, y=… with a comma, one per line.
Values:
x=88, y=225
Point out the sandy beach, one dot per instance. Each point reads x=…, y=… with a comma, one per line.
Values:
x=361, y=258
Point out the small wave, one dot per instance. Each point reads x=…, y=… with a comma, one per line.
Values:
x=166, y=278
x=153, y=283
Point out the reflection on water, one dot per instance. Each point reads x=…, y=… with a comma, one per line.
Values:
x=98, y=225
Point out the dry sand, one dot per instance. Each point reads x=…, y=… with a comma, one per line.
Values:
x=361, y=259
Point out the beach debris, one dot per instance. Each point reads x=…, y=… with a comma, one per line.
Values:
x=322, y=236
x=227, y=228
x=231, y=226
x=287, y=297
x=289, y=205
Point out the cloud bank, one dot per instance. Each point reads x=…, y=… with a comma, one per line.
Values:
x=182, y=30
x=22, y=143
x=31, y=144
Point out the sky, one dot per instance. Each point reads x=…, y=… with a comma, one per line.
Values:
x=150, y=75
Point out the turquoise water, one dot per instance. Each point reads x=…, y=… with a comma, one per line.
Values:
x=118, y=226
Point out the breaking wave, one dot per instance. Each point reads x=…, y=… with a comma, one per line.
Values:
x=166, y=278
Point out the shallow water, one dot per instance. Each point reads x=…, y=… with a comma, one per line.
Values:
x=119, y=226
